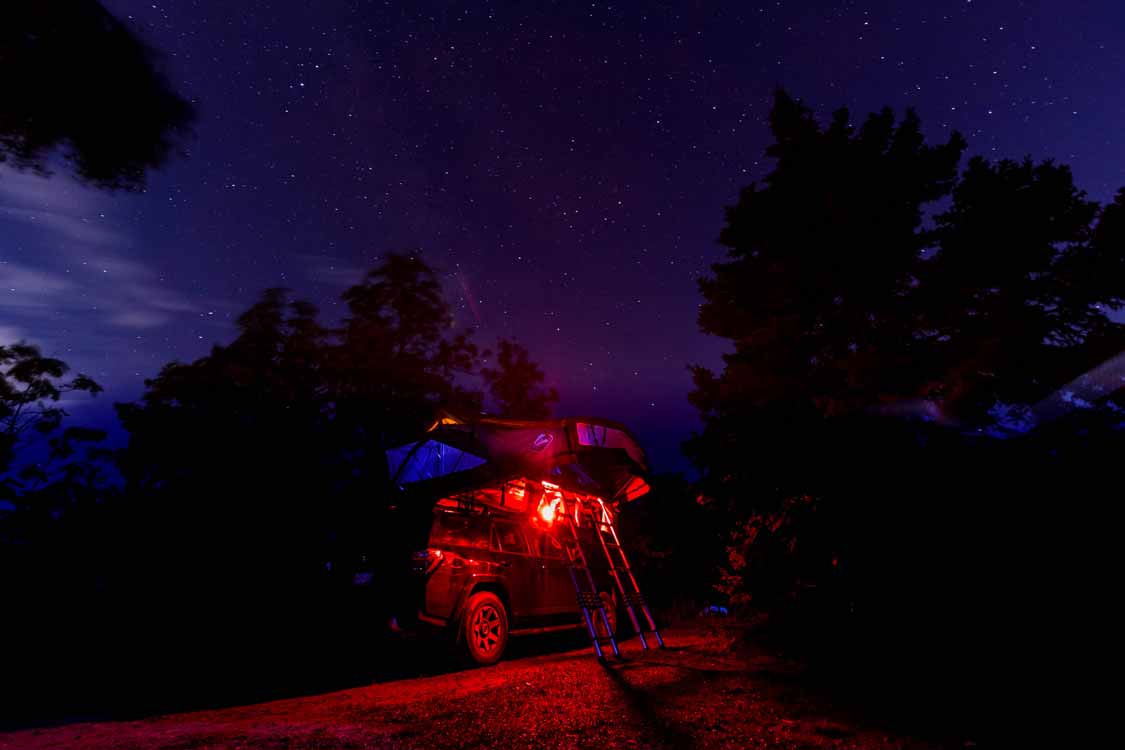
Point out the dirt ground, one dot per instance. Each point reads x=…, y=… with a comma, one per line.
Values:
x=703, y=691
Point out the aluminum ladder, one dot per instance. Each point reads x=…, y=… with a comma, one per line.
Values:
x=589, y=599
x=622, y=574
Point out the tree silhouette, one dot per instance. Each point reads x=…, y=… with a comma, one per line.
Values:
x=866, y=275
x=51, y=475
x=229, y=450
x=821, y=258
x=270, y=448
x=516, y=384
x=75, y=78
x=395, y=361
x=839, y=299
x=31, y=386
x=1015, y=298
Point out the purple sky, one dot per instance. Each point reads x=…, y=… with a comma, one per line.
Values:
x=565, y=165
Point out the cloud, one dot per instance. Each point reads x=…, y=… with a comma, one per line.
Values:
x=10, y=335
x=324, y=269
x=20, y=281
x=74, y=260
x=83, y=231
x=139, y=319
x=72, y=281
x=55, y=194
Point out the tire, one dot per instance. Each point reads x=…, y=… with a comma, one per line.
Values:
x=610, y=605
x=484, y=628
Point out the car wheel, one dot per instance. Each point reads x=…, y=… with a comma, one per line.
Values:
x=611, y=614
x=485, y=628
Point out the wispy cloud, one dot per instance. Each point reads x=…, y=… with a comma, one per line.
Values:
x=75, y=258
x=10, y=335
x=81, y=231
x=330, y=271
x=74, y=280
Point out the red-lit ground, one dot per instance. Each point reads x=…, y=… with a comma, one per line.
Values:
x=699, y=693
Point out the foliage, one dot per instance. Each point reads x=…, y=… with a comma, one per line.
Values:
x=77, y=79
x=883, y=308
x=516, y=384
x=838, y=298
x=271, y=448
x=396, y=360
x=31, y=387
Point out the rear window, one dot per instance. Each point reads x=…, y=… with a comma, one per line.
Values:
x=458, y=529
x=507, y=537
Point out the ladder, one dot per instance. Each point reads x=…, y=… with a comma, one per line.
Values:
x=589, y=600
x=623, y=575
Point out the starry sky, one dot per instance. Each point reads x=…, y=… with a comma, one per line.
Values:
x=564, y=165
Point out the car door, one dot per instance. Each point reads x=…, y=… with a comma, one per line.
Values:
x=556, y=584
x=516, y=568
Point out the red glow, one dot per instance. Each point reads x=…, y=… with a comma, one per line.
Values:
x=551, y=503
x=547, y=512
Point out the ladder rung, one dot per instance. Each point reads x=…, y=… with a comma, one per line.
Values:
x=634, y=598
x=590, y=600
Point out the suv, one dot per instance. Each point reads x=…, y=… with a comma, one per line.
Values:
x=489, y=575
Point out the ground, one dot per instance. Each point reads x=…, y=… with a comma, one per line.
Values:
x=706, y=690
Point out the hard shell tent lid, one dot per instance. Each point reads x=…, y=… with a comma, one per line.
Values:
x=583, y=454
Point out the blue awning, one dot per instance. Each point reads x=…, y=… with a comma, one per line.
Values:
x=431, y=459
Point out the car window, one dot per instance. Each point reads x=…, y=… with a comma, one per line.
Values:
x=506, y=537
x=458, y=529
x=549, y=546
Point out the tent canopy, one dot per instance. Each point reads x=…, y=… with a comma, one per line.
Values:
x=583, y=454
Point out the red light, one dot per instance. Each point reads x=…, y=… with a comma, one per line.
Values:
x=547, y=512
x=550, y=503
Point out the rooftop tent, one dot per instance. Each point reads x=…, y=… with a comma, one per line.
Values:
x=585, y=454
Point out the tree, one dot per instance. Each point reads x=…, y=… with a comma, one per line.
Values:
x=516, y=384
x=838, y=299
x=821, y=259
x=271, y=447
x=867, y=275
x=1014, y=300
x=31, y=387
x=77, y=79
x=397, y=358
x=231, y=449
x=49, y=473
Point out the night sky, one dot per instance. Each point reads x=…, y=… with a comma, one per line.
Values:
x=564, y=165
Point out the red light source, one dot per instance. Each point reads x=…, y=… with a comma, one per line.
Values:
x=547, y=512
x=550, y=503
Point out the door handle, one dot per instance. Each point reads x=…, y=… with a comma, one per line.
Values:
x=505, y=563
